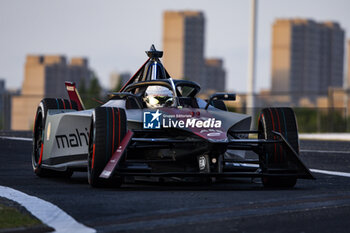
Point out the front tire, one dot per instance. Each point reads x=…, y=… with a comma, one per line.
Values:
x=108, y=128
x=38, y=135
x=281, y=120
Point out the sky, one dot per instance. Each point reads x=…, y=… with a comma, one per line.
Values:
x=114, y=34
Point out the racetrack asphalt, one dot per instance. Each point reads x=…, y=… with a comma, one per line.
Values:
x=242, y=205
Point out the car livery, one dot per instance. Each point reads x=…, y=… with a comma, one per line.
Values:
x=191, y=137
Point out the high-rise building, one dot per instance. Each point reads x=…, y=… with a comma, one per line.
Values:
x=2, y=93
x=307, y=58
x=45, y=77
x=183, y=44
x=2, y=103
x=214, y=75
x=348, y=76
x=116, y=79
x=5, y=106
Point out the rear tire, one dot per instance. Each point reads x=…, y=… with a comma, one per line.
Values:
x=108, y=128
x=38, y=134
x=281, y=120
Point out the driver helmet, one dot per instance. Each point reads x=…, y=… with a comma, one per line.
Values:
x=158, y=96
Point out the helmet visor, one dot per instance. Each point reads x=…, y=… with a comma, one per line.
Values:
x=160, y=100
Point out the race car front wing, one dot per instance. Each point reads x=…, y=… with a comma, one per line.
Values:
x=139, y=168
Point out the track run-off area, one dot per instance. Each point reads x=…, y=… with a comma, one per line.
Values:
x=238, y=205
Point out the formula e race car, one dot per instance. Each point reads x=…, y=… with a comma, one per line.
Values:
x=155, y=126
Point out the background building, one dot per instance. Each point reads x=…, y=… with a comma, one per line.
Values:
x=118, y=79
x=44, y=77
x=183, y=44
x=3, y=94
x=307, y=58
x=348, y=57
x=5, y=106
x=2, y=98
x=215, y=75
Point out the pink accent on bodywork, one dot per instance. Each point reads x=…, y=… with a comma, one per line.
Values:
x=210, y=134
x=113, y=161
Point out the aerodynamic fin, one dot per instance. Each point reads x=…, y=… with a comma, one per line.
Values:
x=114, y=160
x=74, y=94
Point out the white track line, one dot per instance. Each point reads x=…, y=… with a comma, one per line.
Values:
x=326, y=136
x=47, y=212
x=16, y=138
x=325, y=151
x=334, y=173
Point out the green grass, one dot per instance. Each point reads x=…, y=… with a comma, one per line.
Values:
x=12, y=218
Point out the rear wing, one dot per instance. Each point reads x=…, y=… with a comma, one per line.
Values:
x=74, y=95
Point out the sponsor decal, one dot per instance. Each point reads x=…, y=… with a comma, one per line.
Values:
x=48, y=131
x=191, y=123
x=70, y=88
x=151, y=119
x=156, y=119
x=75, y=139
x=212, y=132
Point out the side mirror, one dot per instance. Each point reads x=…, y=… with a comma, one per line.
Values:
x=221, y=96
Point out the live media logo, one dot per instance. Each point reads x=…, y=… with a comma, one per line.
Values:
x=152, y=119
